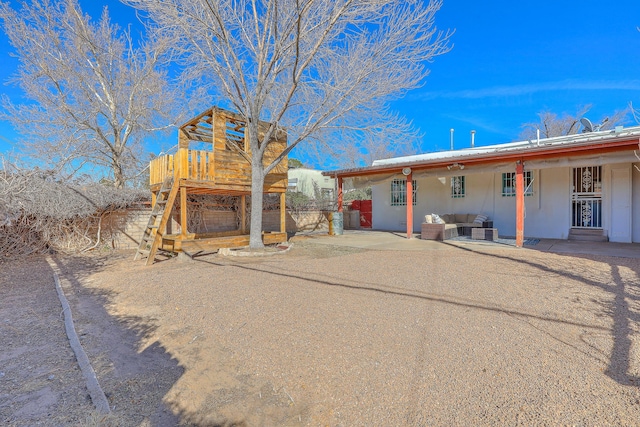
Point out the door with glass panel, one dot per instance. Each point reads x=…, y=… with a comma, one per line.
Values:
x=586, y=197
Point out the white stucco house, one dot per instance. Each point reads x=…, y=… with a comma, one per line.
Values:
x=311, y=182
x=547, y=188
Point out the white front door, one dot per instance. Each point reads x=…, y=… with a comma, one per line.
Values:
x=620, y=204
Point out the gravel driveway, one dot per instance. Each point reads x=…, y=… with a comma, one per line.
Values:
x=337, y=336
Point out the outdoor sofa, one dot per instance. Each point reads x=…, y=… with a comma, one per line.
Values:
x=442, y=227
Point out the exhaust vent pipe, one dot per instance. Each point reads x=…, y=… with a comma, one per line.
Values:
x=451, y=138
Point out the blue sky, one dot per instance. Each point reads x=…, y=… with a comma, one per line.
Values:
x=510, y=60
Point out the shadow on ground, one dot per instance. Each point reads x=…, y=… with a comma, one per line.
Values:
x=134, y=379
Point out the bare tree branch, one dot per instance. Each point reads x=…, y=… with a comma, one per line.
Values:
x=93, y=93
x=550, y=125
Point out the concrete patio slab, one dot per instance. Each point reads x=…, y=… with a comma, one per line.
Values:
x=396, y=240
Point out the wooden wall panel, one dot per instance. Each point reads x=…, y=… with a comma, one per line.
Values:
x=228, y=164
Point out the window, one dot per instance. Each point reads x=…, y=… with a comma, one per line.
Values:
x=457, y=187
x=509, y=184
x=399, y=192
x=235, y=133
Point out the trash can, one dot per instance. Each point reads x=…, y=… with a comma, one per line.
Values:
x=335, y=223
x=351, y=220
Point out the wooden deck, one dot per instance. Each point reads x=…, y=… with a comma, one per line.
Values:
x=193, y=245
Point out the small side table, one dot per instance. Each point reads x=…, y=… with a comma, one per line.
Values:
x=478, y=233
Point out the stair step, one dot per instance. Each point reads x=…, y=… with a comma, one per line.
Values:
x=587, y=235
x=165, y=197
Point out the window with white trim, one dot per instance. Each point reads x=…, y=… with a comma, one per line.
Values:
x=457, y=187
x=399, y=192
x=509, y=183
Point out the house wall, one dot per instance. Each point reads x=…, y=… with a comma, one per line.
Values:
x=306, y=179
x=547, y=211
x=635, y=203
x=433, y=196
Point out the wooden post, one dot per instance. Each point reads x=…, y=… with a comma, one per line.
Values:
x=183, y=139
x=243, y=214
x=409, y=199
x=519, y=204
x=283, y=212
x=182, y=163
x=183, y=211
x=340, y=194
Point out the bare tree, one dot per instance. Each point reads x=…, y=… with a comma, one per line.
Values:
x=389, y=136
x=93, y=93
x=550, y=125
x=310, y=66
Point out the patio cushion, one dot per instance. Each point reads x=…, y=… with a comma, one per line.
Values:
x=428, y=219
x=448, y=218
x=460, y=218
x=480, y=219
x=436, y=219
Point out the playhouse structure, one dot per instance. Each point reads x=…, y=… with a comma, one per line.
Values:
x=213, y=158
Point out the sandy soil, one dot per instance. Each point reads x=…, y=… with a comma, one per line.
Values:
x=326, y=335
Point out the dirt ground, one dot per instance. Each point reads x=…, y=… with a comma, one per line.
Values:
x=326, y=336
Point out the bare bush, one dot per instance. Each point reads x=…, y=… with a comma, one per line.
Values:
x=39, y=214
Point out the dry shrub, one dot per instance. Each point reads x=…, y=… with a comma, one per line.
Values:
x=40, y=214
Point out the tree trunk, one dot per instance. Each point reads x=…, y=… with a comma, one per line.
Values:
x=257, y=196
x=118, y=174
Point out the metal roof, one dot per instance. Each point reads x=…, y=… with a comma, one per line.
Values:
x=618, y=139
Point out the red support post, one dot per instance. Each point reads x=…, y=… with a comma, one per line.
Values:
x=519, y=204
x=339, y=194
x=409, y=198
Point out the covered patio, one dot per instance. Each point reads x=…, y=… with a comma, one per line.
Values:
x=613, y=147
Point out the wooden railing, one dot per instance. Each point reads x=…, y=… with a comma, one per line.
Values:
x=188, y=164
x=160, y=168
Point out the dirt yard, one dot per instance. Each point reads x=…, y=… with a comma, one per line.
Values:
x=327, y=336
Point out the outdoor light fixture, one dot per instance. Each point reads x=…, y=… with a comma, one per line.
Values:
x=455, y=165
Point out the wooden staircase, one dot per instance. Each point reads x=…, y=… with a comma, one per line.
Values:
x=160, y=214
x=587, y=235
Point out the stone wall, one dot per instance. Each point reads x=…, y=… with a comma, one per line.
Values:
x=125, y=228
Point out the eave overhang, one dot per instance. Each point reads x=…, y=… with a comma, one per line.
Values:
x=574, y=146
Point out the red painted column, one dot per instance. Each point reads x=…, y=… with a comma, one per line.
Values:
x=519, y=204
x=409, y=198
x=339, y=194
